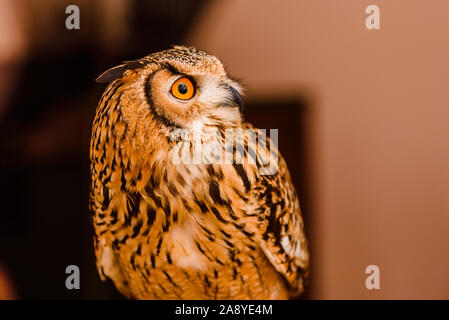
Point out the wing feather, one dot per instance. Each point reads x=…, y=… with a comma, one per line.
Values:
x=283, y=238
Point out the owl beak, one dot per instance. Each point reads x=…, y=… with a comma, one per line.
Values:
x=236, y=99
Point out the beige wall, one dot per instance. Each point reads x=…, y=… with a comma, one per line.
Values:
x=378, y=130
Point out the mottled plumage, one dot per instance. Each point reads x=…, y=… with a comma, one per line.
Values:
x=166, y=230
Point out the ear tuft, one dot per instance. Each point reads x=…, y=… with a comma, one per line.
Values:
x=118, y=71
x=112, y=74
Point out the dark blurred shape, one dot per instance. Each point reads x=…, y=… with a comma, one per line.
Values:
x=286, y=114
x=163, y=23
x=7, y=290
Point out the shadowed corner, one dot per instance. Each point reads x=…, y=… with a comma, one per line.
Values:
x=7, y=289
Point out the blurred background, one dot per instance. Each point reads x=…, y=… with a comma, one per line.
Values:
x=363, y=119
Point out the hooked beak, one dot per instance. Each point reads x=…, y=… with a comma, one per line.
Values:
x=235, y=98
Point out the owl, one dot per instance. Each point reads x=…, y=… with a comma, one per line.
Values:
x=169, y=227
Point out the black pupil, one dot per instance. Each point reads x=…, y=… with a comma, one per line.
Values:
x=182, y=88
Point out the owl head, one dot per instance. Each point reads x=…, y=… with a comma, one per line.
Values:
x=174, y=88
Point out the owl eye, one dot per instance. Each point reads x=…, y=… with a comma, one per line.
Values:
x=183, y=89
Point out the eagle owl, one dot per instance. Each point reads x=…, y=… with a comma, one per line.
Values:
x=168, y=229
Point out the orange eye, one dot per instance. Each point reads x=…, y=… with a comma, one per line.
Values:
x=183, y=89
